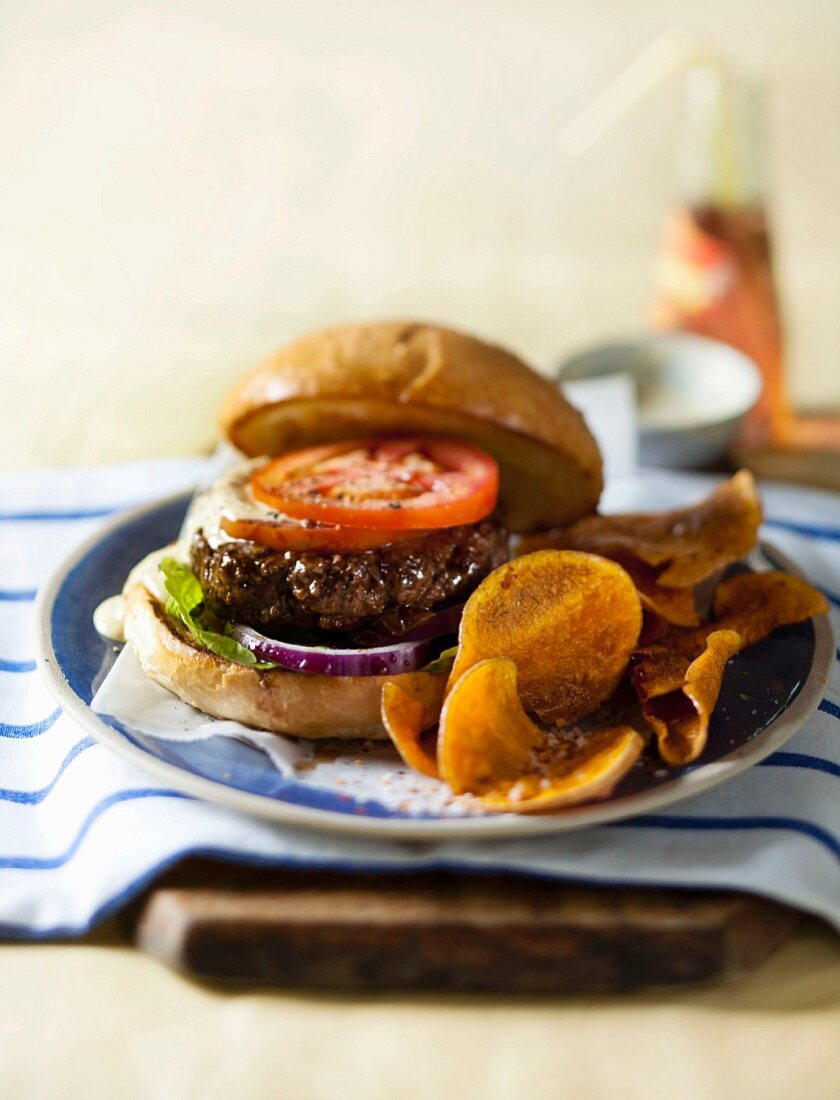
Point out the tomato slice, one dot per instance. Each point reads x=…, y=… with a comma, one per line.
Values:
x=393, y=484
x=294, y=536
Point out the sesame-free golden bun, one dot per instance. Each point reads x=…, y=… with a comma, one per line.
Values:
x=402, y=378
x=276, y=699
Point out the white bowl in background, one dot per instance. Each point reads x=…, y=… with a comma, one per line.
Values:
x=692, y=393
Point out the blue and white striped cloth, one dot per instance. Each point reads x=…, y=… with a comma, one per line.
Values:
x=81, y=830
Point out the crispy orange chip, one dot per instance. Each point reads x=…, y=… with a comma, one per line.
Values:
x=568, y=621
x=490, y=748
x=674, y=605
x=686, y=544
x=402, y=716
x=678, y=679
x=755, y=604
x=679, y=694
x=654, y=629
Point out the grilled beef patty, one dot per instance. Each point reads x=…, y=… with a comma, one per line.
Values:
x=389, y=588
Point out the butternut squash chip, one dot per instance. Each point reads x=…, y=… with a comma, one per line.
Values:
x=402, y=716
x=756, y=604
x=568, y=621
x=490, y=748
x=674, y=605
x=678, y=694
x=654, y=629
x=687, y=545
x=678, y=678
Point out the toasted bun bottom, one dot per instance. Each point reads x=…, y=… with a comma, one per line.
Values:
x=276, y=700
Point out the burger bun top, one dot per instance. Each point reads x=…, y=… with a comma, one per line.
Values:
x=399, y=378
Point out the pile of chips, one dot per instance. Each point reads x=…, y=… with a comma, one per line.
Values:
x=550, y=640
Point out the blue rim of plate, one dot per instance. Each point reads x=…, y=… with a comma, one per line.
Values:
x=789, y=668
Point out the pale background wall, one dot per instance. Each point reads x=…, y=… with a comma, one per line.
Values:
x=187, y=184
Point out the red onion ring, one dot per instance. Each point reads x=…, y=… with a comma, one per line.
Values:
x=382, y=660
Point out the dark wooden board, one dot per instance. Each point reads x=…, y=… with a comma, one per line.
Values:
x=448, y=932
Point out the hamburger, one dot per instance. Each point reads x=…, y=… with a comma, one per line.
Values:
x=380, y=471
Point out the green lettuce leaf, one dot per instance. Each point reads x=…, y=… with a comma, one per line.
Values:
x=444, y=662
x=186, y=606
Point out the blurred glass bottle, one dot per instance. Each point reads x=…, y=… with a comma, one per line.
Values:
x=715, y=275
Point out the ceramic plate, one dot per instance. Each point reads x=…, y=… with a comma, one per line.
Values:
x=768, y=693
